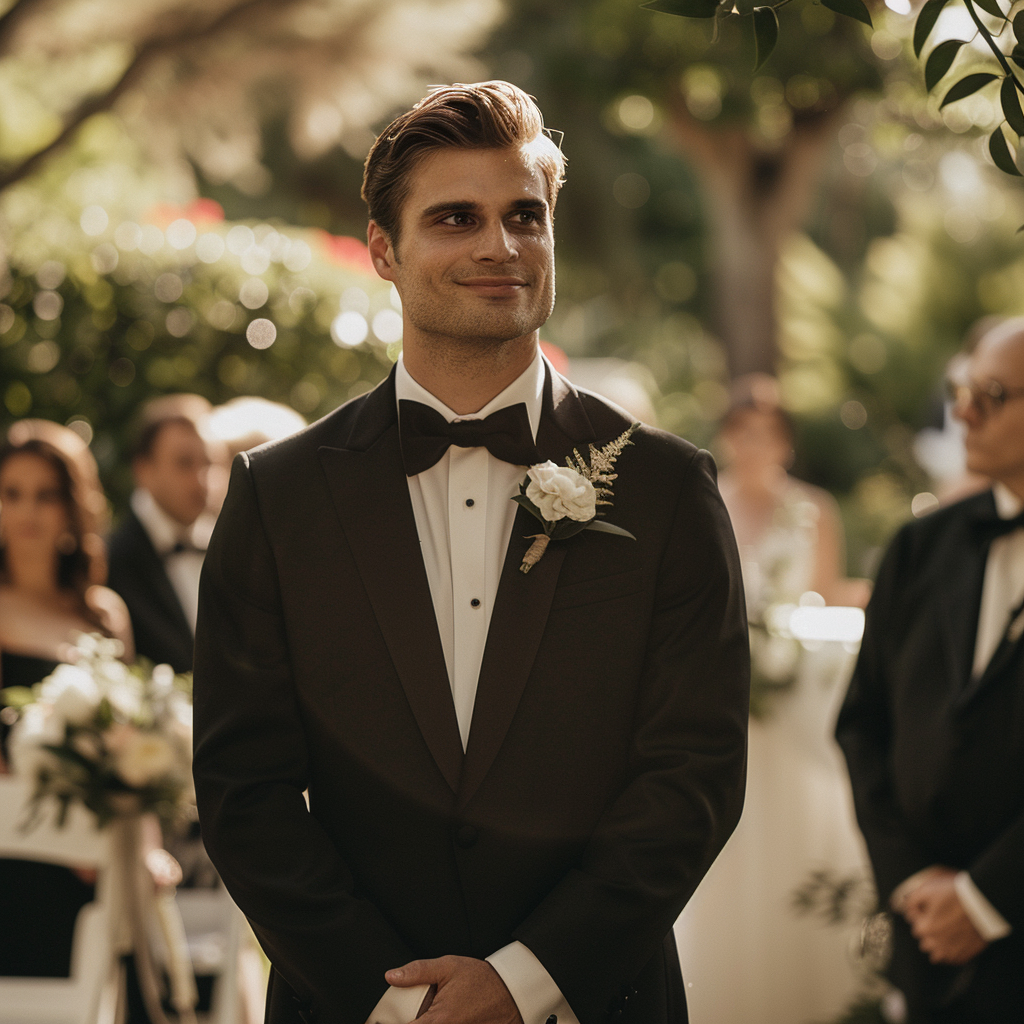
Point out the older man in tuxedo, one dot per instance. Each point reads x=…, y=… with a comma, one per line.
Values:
x=933, y=725
x=515, y=778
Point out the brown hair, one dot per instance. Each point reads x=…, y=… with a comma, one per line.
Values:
x=84, y=563
x=487, y=115
x=758, y=392
x=157, y=413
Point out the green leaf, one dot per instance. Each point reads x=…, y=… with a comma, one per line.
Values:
x=967, y=86
x=851, y=8
x=940, y=60
x=1001, y=153
x=1011, y=105
x=1018, y=55
x=683, y=8
x=17, y=696
x=522, y=499
x=1018, y=27
x=989, y=6
x=766, y=34
x=602, y=527
x=926, y=22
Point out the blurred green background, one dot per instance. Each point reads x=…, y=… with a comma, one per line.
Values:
x=179, y=210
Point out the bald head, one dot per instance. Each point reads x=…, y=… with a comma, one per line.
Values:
x=993, y=410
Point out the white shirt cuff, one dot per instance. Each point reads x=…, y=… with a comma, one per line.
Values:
x=533, y=990
x=990, y=923
x=399, y=1005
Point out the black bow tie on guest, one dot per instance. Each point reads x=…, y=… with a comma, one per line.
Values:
x=426, y=435
x=182, y=547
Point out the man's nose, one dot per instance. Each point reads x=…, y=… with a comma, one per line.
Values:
x=496, y=244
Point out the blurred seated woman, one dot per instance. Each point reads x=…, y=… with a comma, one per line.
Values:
x=51, y=567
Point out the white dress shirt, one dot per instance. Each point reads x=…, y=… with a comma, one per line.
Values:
x=464, y=514
x=182, y=568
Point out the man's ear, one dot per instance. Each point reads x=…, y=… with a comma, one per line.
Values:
x=382, y=252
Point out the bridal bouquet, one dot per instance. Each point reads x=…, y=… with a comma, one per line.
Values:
x=117, y=738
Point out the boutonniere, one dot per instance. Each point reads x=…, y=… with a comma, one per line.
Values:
x=566, y=499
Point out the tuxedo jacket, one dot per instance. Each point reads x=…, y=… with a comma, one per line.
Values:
x=936, y=759
x=137, y=573
x=605, y=763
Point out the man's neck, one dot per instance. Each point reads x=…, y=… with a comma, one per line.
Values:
x=467, y=375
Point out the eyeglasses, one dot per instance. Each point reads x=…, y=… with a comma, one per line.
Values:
x=985, y=399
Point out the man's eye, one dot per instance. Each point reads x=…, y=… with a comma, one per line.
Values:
x=528, y=217
x=457, y=219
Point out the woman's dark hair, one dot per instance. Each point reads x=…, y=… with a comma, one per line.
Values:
x=84, y=561
x=758, y=392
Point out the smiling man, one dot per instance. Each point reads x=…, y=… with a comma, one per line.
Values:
x=933, y=725
x=515, y=780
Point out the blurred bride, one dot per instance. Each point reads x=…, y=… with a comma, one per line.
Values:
x=749, y=954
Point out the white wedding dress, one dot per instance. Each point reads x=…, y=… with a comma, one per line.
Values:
x=748, y=956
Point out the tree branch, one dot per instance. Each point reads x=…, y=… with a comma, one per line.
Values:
x=145, y=56
x=18, y=11
x=992, y=45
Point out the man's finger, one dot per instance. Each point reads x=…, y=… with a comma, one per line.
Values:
x=416, y=972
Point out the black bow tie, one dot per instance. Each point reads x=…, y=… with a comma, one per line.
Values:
x=426, y=435
x=184, y=547
x=993, y=526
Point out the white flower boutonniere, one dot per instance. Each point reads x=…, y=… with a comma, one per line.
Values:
x=566, y=500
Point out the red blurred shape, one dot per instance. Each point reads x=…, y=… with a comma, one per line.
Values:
x=199, y=211
x=556, y=357
x=347, y=251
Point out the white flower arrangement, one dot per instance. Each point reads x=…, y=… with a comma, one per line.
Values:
x=116, y=738
x=565, y=499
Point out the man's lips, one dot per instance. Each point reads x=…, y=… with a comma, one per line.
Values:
x=498, y=286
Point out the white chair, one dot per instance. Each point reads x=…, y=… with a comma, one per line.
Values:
x=88, y=996
x=214, y=927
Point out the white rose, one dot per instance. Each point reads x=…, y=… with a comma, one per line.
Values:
x=38, y=726
x=559, y=492
x=126, y=698
x=73, y=693
x=144, y=758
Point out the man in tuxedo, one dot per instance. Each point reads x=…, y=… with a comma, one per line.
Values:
x=515, y=779
x=933, y=724
x=156, y=553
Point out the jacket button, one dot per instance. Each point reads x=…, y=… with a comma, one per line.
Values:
x=466, y=836
x=552, y=1019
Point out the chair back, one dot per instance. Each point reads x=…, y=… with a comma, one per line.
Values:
x=86, y=996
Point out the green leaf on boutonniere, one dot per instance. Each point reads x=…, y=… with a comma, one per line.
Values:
x=602, y=527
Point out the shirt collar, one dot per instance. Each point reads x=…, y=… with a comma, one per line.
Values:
x=163, y=531
x=527, y=388
x=1008, y=504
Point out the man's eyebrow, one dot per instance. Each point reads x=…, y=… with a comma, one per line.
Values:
x=454, y=206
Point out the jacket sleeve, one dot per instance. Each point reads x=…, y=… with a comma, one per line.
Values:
x=251, y=767
x=863, y=731
x=999, y=874
x=608, y=916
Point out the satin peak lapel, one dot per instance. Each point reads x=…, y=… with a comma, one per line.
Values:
x=523, y=601
x=371, y=497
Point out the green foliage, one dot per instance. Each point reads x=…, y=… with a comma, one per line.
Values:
x=940, y=60
x=926, y=22
x=1010, y=100
x=1001, y=155
x=851, y=9
x=766, y=34
x=967, y=86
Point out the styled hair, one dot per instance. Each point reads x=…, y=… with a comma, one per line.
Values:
x=157, y=413
x=84, y=561
x=487, y=115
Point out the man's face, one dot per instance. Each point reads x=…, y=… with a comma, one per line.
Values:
x=175, y=472
x=475, y=261
x=995, y=435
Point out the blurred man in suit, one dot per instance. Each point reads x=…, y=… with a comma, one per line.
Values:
x=933, y=724
x=156, y=554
